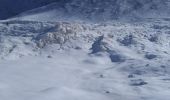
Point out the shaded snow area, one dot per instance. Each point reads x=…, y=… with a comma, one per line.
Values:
x=98, y=10
x=85, y=61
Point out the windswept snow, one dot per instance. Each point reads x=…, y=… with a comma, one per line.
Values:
x=74, y=50
x=87, y=61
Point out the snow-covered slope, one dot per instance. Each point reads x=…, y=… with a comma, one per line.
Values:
x=87, y=61
x=10, y=8
x=100, y=10
x=74, y=51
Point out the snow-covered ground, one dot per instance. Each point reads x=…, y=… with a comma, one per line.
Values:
x=85, y=61
x=74, y=50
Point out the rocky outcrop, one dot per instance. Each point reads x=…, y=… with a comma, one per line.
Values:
x=61, y=33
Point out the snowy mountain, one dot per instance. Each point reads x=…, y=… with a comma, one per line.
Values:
x=101, y=10
x=102, y=61
x=111, y=9
x=74, y=50
x=10, y=8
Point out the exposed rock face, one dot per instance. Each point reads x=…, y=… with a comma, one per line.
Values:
x=60, y=34
x=25, y=37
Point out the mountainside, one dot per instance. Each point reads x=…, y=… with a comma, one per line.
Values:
x=103, y=10
x=85, y=50
x=10, y=8
x=120, y=8
x=102, y=61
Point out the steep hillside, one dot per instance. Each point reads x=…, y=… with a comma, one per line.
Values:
x=10, y=8
x=102, y=61
x=76, y=50
x=120, y=8
x=101, y=10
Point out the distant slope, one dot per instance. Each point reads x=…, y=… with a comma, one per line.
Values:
x=9, y=8
x=51, y=12
x=101, y=10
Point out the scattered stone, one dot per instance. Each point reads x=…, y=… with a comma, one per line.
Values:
x=101, y=76
x=150, y=56
x=97, y=46
x=139, y=72
x=107, y=92
x=153, y=38
x=127, y=40
x=116, y=58
x=138, y=82
x=78, y=48
x=49, y=56
x=131, y=76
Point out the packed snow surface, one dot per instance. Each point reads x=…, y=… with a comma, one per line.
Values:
x=74, y=50
x=85, y=61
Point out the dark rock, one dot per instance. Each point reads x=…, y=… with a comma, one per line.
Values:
x=150, y=56
x=138, y=82
x=128, y=40
x=139, y=72
x=153, y=39
x=107, y=92
x=131, y=76
x=97, y=45
x=49, y=56
x=101, y=76
x=78, y=48
x=116, y=58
